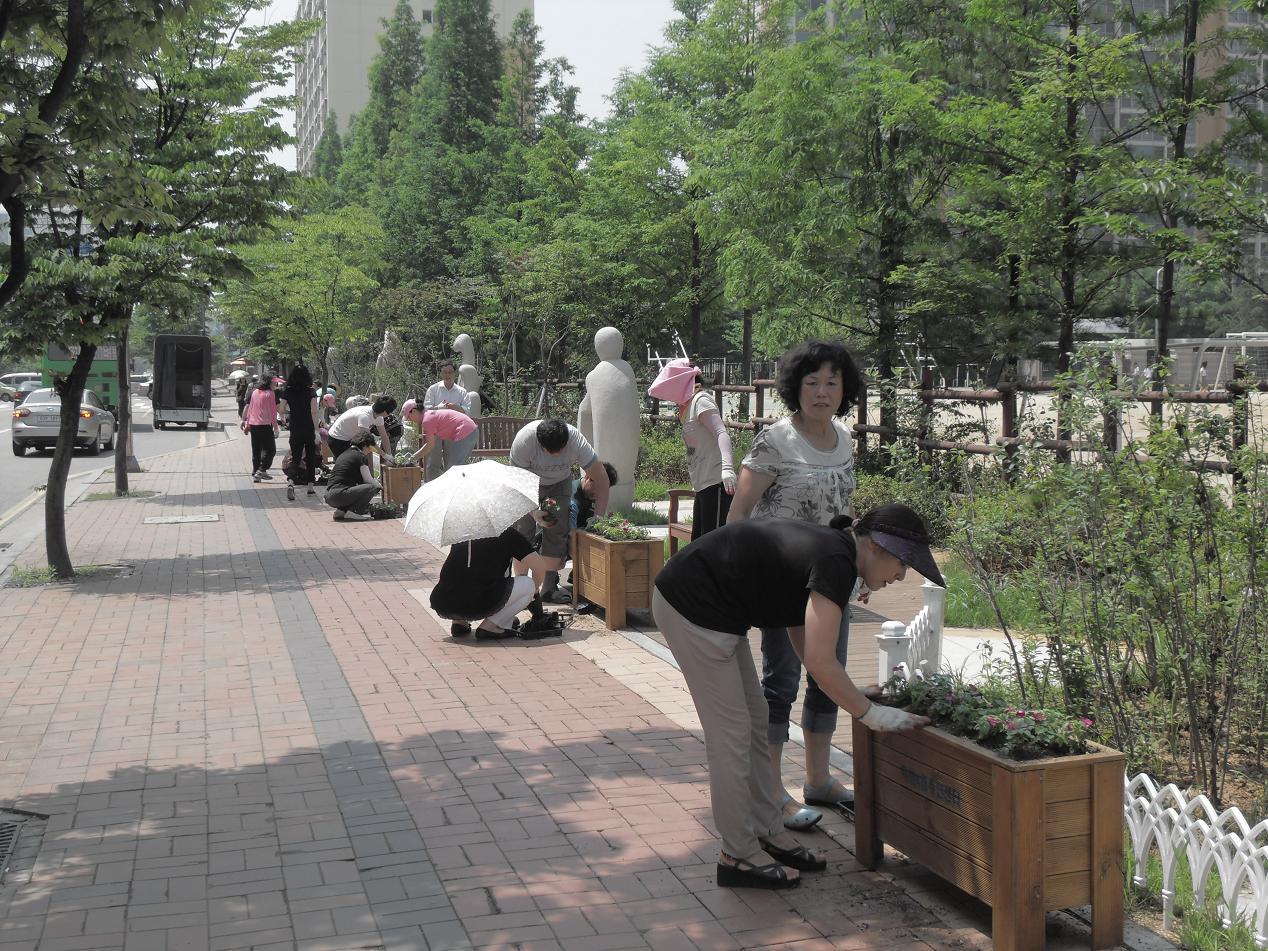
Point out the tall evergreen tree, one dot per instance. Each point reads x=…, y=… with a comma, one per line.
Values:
x=437, y=163
x=328, y=156
x=394, y=74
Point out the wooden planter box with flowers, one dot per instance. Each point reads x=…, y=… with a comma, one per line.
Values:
x=1026, y=836
x=614, y=565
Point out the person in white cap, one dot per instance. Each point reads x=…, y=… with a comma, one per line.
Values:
x=710, y=459
x=774, y=572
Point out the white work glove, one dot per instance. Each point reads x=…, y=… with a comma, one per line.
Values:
x=728, y=481
x=891, y=719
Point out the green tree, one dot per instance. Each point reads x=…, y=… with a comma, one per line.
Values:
x=64, y=80
x=150, y=219
x=437, y=169
x=328, y=155
x=310, y=285
x=394, y=74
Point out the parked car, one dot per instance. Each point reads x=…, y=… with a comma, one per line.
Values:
x=25, y=389
x=10, y=382
x=36, y=422
x=141, y=383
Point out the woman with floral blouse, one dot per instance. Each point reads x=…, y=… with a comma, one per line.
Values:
x=803, y=467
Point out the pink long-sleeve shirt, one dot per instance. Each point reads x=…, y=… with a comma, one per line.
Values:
x=262, y=410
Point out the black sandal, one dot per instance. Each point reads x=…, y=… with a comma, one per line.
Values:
x=800, y=858
x=744, y=874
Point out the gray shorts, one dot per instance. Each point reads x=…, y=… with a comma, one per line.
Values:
x=554, y=538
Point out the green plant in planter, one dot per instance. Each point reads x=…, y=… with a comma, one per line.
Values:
x=966, y=710
x=616, y=528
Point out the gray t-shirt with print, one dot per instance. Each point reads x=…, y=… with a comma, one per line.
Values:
x=527, y=453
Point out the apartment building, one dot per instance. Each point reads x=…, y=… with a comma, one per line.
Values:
x=332, y=75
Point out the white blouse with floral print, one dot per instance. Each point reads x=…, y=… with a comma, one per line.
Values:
x=810, y=484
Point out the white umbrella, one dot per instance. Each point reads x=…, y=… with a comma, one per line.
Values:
x=481, y=500
x=238, y=374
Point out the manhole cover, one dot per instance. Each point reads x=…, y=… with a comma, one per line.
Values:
x=179, y=519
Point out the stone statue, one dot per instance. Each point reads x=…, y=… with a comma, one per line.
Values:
x=464, y=346
x=390, y=356
x=608, y=415
x=468, y=378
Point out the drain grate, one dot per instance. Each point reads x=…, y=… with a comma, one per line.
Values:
x=9, y=833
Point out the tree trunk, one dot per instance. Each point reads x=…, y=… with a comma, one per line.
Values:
x=1167, y=284
x=71, y=391
x=746, y=356
x=1069, y=238
x=697, y=281
x=123, y=420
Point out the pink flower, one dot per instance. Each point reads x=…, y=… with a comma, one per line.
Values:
x=1038, y=716
x=1013, y=725
x=1085, y=721
x=992, y=720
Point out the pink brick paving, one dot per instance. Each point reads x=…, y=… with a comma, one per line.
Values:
x=161, y=723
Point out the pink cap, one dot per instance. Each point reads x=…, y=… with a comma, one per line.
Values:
x=675, y=382
x=329, y=399
x=407, y=410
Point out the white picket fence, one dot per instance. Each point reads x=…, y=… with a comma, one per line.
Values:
x=1222, y=843
x=1210, y=841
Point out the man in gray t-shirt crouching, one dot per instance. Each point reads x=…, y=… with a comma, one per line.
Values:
x=551, y=449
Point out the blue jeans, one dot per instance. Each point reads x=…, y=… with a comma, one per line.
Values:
x=781, y=675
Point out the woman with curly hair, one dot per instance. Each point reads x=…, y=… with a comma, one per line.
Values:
x=802, y=467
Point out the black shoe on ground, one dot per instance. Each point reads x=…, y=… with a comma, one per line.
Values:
x=459, y=629
x=558, y=596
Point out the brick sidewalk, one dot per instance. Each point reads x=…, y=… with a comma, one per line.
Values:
x=260, y=739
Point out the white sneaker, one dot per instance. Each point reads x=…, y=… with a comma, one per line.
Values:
x=340, y=515
x=265, y=476
x=256, y=477
x=290, y=493
x=356, y=517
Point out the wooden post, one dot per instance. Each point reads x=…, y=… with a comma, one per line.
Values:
x=1017, y=905
x=926, y=412
x=1113, y=418
x=759, y=401
x=1107, y=855
x=1008, y=427
x=615, y=568
x=868, y=850
x=1241, y=416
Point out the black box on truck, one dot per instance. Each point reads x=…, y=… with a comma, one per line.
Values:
x=181, y=392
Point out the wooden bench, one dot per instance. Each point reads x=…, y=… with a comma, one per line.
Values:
x=678, y=531
x=496, y=434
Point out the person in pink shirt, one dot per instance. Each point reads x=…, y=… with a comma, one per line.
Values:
x=436, y=425
x=260, y=420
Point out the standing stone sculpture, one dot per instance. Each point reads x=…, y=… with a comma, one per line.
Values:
x=608, y=415
x=468, y=378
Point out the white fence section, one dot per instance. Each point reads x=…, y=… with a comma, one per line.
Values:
x=1222, y=842
x=914, y=648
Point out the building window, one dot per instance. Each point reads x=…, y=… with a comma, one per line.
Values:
x=427, y=16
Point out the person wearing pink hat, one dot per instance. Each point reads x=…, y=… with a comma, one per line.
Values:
x=435, y=425
x=710, y=462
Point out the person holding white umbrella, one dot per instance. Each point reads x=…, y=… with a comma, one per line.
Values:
x=474, y=509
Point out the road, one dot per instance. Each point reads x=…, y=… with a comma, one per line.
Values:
x=20, y=477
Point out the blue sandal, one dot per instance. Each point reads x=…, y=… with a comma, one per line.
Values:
x=802, y=819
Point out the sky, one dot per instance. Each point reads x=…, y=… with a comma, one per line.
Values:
x=600, y=38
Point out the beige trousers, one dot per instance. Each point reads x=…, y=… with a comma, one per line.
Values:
x=719, y=671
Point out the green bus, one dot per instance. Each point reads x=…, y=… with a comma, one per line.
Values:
x=103, y=378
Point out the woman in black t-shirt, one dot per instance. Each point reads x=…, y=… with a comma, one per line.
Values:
x=475, y=583
x=774, y=572
x=301, y=398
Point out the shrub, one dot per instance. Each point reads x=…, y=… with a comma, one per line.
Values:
x=930, y=501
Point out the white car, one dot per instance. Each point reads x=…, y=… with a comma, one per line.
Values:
x=37, y=420
x=10, y=382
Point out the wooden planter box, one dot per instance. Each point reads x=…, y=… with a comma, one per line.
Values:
x=1024, y=837
x=616, y=576
x=400, y=483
